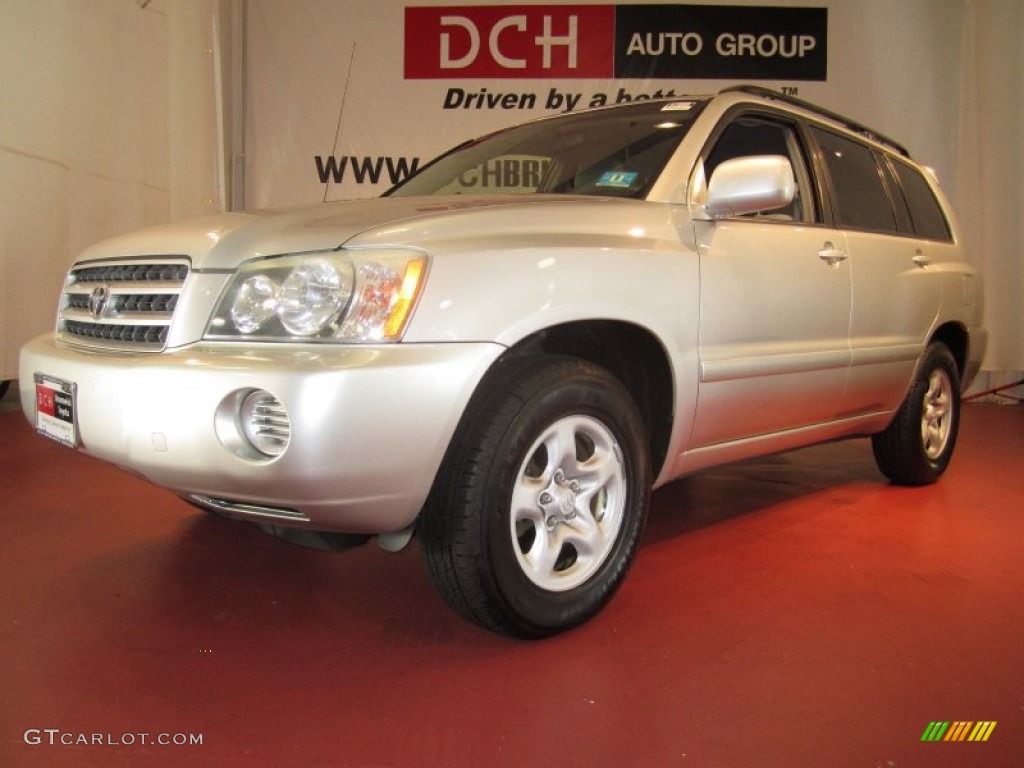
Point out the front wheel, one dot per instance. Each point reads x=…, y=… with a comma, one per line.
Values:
x=541, y=501
x=916, y=448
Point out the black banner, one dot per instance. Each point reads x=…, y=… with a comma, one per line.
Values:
x=727, y=42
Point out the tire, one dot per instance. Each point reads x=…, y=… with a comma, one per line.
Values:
x=541, y=501
x=4, y=386
x=916, y=447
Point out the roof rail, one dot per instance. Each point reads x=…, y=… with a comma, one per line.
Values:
x=853, y=125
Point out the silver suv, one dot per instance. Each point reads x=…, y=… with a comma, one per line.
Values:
x=507, y=352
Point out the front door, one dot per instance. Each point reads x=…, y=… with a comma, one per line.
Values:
x=774, y=307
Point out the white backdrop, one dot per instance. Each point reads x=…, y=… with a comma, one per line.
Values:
x=107, y=124
x=990, y=160
x=894, y=66
x=945, y=77
x=122, y=119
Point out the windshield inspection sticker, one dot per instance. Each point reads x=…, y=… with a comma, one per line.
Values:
x=617, y=179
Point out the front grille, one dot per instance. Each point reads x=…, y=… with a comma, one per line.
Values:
x=130, y=334
x=136, y=273
x=124, y=305
x=134, y=302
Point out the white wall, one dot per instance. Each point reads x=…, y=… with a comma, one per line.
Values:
x=990, y=144
x=893, y=65
x=944, y=77
x=111, y=119
x=106, y=125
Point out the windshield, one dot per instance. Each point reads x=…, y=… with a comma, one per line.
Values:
x=618, y=152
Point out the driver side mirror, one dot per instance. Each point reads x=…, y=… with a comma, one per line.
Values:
x=750, y=185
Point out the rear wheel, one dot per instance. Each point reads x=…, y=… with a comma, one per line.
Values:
x=542, y=498
x=916, y=448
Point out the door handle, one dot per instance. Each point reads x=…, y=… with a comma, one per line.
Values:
x=920, y=259
x=832, y=255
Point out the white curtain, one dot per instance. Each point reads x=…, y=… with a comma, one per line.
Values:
x=991, y=169
x=113, y=119
x=106, y=125
x=943, y=76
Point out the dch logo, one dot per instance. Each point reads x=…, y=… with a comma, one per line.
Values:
x=509, y=41
x=545, y=42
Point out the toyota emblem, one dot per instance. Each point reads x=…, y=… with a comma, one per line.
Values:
x=98, y=301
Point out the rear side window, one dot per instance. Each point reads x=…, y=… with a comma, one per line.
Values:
x=860, y=199
x=925, y=211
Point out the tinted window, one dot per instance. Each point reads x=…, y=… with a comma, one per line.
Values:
x=750, y=136
x=896, y=197
x=860, y=200
x=929, y=221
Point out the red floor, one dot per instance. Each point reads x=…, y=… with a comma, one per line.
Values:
x=795, y=611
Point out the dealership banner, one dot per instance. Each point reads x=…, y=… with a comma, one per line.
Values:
x=346, y=99
x=616, y=41
x=709, y=41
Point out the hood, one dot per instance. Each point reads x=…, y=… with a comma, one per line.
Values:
x=223, y=242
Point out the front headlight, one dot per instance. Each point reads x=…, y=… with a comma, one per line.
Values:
x=352, y=296
x=312, y=296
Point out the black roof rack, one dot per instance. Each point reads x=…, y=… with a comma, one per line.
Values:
x=853, y=125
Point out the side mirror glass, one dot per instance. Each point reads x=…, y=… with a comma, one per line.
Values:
x=750, y=185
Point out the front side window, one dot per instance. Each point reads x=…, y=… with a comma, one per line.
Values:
x=752, y=135
x=859, y=196
x=615, y=152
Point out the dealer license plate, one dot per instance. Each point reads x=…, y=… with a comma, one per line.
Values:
x=56, y=410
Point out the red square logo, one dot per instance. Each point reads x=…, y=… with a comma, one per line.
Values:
x=510, y=41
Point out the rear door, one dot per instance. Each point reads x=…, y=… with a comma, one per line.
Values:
x=896, y=292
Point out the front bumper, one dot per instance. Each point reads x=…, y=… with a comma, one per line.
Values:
x=369, y=425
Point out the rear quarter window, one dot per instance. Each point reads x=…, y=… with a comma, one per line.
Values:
x=925, y=212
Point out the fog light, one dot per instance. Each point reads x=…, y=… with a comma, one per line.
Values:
x=264, y=423
x=253, y=425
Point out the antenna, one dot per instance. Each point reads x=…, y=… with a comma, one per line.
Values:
x=341, y=113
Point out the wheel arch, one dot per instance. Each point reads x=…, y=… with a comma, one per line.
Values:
x=954, y=335
x=632, y=354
